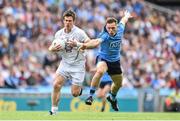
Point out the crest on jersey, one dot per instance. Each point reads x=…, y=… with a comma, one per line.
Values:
x=115, y=44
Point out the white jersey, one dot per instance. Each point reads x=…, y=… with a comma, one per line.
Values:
x=69, y=54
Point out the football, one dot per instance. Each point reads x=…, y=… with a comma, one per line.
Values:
x=59, y=41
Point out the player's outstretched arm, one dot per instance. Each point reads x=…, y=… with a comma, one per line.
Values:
x=93, y=43
x=125, y=18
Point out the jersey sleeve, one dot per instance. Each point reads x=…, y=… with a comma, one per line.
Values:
x=57, y=34
x=121, y=27
x=102, y=36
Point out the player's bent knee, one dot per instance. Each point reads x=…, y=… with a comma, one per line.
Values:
x=56, y=85
x=75, y=94
x=100, y=72
x=100, y=95
x=75, y=90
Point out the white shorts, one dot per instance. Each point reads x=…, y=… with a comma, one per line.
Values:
x=73, y=73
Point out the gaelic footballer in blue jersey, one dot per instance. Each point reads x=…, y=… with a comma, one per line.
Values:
x=108, y=57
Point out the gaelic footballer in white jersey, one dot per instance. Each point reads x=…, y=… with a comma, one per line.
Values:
x=69, y=64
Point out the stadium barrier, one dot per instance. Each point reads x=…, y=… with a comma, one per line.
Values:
x=130, y=100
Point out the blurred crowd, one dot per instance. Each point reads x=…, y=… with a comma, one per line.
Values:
x=150, y=51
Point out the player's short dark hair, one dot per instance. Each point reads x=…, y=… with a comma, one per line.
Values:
x=69, y=13
x=110, y=20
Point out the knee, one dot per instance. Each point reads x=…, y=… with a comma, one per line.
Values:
x=100, y=95
x=56, y=85
x=75, y=94
x=100, y=72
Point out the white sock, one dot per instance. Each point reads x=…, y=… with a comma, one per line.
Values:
x=54, y=109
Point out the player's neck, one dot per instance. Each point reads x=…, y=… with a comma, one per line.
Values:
x=67, y=30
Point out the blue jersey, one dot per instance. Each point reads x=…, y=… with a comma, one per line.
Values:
x=111, y=45
x=105, y=78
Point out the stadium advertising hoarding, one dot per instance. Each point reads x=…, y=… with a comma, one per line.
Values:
x=42, y=101
x=66, y=104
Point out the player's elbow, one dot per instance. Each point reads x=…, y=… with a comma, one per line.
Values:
x=50, y=48
x=75, y=94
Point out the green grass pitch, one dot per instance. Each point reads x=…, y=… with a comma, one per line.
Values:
x=41, y=115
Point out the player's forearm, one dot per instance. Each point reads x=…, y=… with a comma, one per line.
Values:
x=92, y=44
x=124, y=20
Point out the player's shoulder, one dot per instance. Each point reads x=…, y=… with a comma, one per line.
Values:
x=103, y=34
x=78, y=30
x=59, y=32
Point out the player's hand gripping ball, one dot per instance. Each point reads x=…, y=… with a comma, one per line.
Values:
x=59, y=44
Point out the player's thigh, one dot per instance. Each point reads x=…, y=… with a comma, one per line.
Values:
x=61, y=74
x=59, y=80
x=114, y=68
x=77, y=78
x=101, y=66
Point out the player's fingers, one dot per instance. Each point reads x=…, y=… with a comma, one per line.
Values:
x=72, y=43
x=80, y=49
x=128, y=14
x=69, y=43
x=58, y=47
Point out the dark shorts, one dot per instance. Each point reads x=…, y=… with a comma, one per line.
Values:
x=113, y=67
x=103, y=84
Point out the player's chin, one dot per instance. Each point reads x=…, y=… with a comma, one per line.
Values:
x=112, y=34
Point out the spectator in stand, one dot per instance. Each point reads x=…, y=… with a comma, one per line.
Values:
x=153, y=37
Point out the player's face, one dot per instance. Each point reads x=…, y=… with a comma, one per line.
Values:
x=68, y=23
x=111, y=28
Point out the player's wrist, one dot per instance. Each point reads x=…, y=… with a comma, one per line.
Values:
x=78, y=44
x=85, y=46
